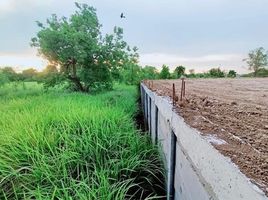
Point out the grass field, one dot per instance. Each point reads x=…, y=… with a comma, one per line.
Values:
x=57, y=145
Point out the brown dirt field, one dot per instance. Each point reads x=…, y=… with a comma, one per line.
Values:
x=234, y=110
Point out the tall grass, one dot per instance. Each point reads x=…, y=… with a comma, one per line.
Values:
x=75, y=146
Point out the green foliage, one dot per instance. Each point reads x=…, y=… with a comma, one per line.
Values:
x=191, y=73
x=87, y=59
x=3, y=79
x=262, y=72
x=9, y=73
x=50, y=76
x=164, y=73
x=29, y=74
x=75, y=146
x=149, y=72
x=50, y=69
x=231, y=74
x=178, y=72
x=131, y=74
x=257, y=59
x=216, y=73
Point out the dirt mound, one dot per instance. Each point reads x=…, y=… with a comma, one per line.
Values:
x=233, y=110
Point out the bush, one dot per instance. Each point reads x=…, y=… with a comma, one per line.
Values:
x=231, y=74
x=3, y=80
x=216, y=73
x=262, y=72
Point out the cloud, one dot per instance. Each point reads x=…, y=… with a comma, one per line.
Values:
x=5, y=6
x=8, y=6
x=172, y=58
x=189, y=32
x=199, y=63
x=21, y=61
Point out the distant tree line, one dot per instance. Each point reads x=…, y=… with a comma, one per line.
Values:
x=8, y=74
x=131, y=73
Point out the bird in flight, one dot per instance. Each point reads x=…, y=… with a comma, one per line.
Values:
x=122, y=15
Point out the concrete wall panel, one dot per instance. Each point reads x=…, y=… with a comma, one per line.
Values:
x=201, y=172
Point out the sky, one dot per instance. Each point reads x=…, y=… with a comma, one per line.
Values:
x=198, y=34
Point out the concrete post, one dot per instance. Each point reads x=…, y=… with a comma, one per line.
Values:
x=172, y=166
x=156, y=125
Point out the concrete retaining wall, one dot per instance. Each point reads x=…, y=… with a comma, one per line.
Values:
x=195, y=169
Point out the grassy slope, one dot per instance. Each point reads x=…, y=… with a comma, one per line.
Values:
x=73, y=146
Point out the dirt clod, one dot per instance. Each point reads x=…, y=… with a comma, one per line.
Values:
x=236, y=111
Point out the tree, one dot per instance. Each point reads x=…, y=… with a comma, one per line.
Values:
x=164, y=73
x=131, y=74
x=50, y=69
x=86, y=57
x=50, y=76
x=192, y=73
x=29, y=74
x=179, y=71
x=3, y=79
x=9, y=73
x=216, y=73
x=231, y=73
x=257, y=59
x=262, y=72
x=149, y=72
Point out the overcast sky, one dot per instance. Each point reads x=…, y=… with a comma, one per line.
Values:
x=199, y=34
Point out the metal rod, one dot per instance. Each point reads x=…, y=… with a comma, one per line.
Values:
x=173, y=94
x=181, y=89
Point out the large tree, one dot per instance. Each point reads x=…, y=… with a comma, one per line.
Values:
x=179, y=71
x=86, y=57
x=164, y=73
x=257, y=59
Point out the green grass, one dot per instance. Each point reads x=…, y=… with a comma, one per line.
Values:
x=58, y=145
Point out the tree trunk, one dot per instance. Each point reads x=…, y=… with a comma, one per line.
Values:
x=74, y=69
x=77, y=83
x=255, y=73
x=73, y=76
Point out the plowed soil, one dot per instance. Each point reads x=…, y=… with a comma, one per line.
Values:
x=232, y=110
